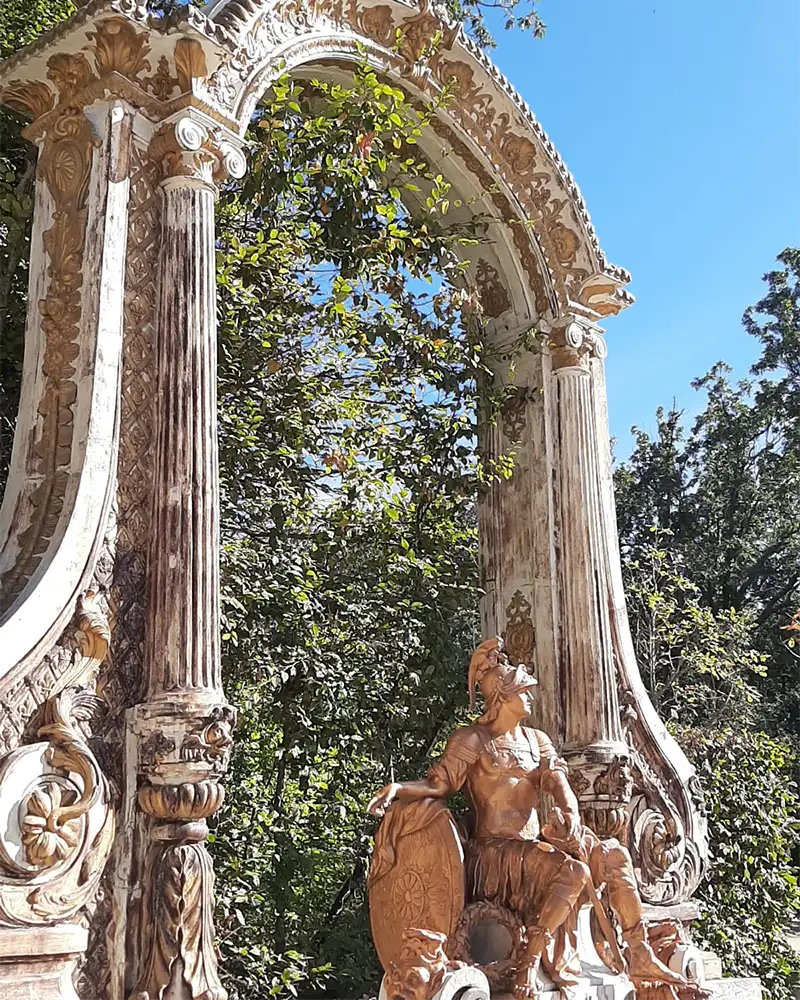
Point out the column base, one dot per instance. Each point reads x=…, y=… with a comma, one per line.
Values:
x=37, y=963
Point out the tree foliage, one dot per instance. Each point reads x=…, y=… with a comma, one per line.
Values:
x=754, y=822
x=699, y=665
x=726, y=489
x=709, y=532
x=351, y=371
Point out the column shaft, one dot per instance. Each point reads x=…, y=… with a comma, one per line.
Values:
x=183, y=637
x=590, y=690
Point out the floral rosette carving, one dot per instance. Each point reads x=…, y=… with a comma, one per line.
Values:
x=64, y=823
x=49, y=837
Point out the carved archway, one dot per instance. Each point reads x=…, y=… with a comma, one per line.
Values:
x=137, y=118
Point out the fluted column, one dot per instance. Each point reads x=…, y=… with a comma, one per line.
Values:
x=183, y=728
x=183, y=634
x=594, y=741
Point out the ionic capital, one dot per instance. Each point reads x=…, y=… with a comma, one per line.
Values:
x=188, y=147
x=574, y=341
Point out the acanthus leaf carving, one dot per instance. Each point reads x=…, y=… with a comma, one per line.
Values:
x=190, y=62
x=162, y=83
x=119, y=48
x=178, y=921
x=31, y=97
x=180, y=924
x=70, y=72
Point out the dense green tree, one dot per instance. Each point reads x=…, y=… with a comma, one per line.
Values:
x=752, y=896
x=349, y=383
x=726, y=489
x=700, y=665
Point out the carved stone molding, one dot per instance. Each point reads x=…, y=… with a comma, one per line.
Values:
x=126, y=54
x=188, y=147
x=573, y=343
x=64, y=164
x=485, y=107
x=178, y=919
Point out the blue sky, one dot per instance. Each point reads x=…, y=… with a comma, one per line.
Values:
x=680, y=121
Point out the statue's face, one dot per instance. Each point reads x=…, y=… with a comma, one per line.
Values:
x=522, y=702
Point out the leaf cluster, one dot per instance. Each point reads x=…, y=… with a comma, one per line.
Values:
x=752, y=895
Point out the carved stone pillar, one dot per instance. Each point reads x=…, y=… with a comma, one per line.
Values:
x=594, y=742
x=183, y=729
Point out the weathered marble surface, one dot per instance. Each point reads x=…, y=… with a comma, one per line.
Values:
x=735, y=989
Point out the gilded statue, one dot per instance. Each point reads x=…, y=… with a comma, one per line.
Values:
x=540, y=874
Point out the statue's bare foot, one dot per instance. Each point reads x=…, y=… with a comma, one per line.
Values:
x=643, y=964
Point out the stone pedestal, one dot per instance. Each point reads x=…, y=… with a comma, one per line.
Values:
x=734, y=989
x=38, y=963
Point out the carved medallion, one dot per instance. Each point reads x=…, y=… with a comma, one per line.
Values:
x=519, y=635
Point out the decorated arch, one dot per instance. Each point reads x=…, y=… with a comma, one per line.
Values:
x=109, y=544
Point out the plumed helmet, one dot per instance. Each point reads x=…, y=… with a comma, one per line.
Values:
x=491, y=671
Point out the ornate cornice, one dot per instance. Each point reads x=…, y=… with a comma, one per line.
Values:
x=485, y=109
x=219, y=62
x=114, y=49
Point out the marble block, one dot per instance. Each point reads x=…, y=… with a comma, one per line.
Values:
x=734, y=989
x=37, y=963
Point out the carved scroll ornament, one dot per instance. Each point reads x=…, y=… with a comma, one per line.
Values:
x=55, y=803
x=64, y=164
x=669, y=864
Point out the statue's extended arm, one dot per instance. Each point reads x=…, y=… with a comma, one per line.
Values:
x=432, y=787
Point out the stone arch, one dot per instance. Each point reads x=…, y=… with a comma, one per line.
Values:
x=137, y=118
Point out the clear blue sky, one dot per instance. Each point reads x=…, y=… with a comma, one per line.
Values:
x=680, y=121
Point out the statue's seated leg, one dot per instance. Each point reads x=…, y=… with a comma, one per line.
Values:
x=611, y=864
x=560, y=881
